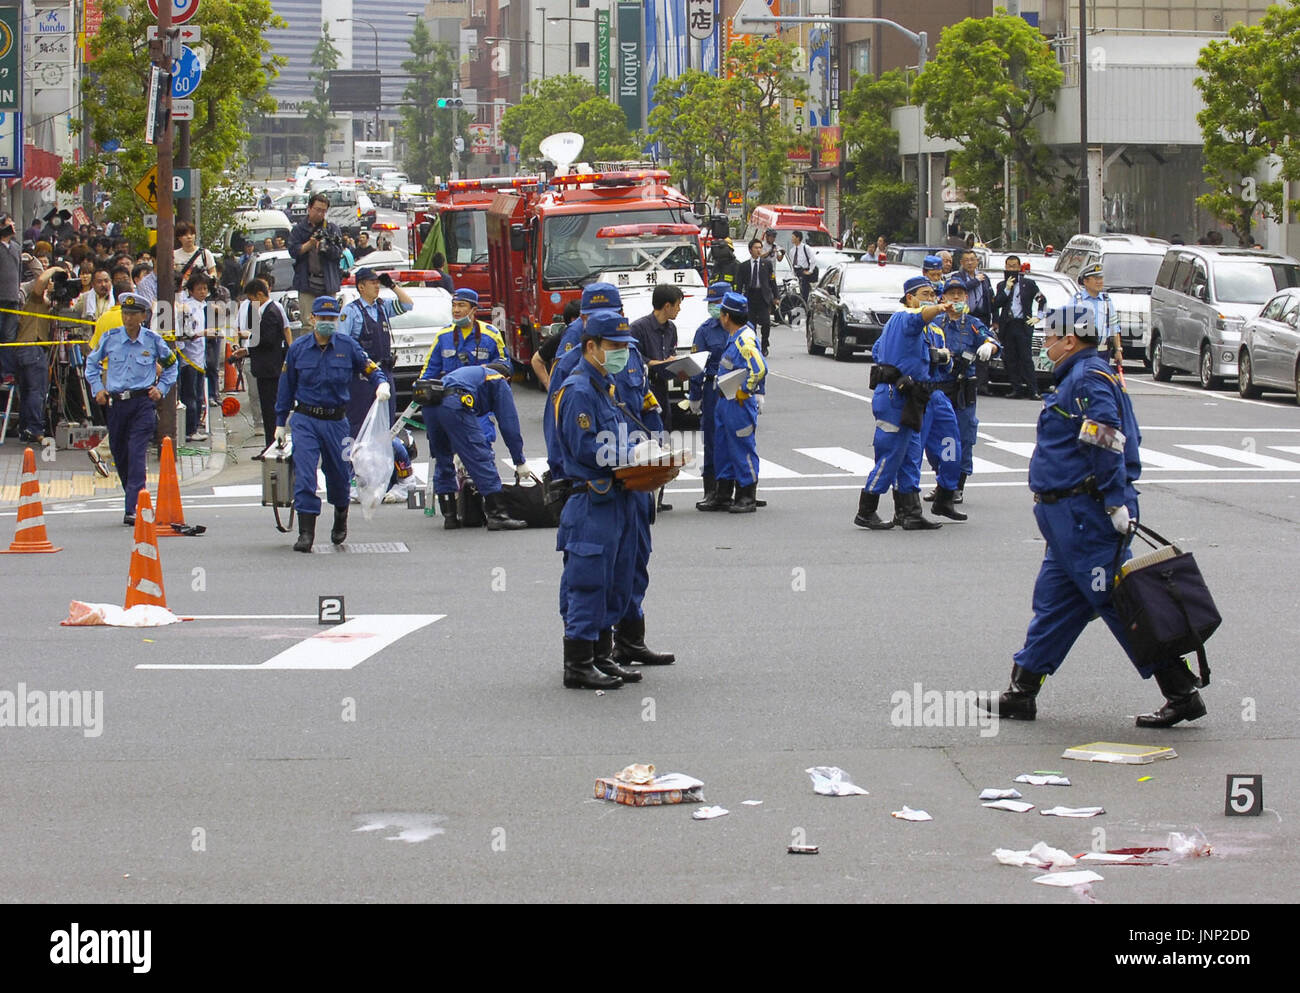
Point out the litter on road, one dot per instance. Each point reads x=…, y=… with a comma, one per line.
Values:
x=1015, y=806
x=1077, y=878
x=830, y=780
x=142, y=615
x=995, y=794
x=1073, y=811
x=908, y=814
x=708, y=813
x=1042, y=779
x=1119, y=754
x=672, y=788
x=1041, y=856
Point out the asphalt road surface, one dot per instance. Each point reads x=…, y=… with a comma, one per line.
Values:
x=427, y=751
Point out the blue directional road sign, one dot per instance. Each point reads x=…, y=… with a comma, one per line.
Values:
x=186, y=73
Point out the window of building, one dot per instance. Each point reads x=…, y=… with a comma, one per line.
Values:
x=582, y=55
x=582, y=3
x=860, y=58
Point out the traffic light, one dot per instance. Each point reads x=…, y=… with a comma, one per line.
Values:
x=450, y=103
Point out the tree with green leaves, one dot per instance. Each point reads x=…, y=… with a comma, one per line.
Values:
x=1251, y=88
x=426, y=130
x=569, y=103
x=878, y=201
x=704, y=122
x=989, y=82
x=318, y=119
x=239, y=68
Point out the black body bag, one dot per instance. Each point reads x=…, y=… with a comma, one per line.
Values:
x=1164, y=604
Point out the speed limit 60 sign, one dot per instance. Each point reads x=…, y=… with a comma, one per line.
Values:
x=186, y=73
x=182, y=10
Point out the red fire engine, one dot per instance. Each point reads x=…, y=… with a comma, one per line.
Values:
x=545, y=244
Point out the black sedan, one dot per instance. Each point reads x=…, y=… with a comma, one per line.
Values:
x=850, y=304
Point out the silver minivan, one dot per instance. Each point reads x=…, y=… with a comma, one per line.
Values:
x=1203, y=296
x=1129, y=263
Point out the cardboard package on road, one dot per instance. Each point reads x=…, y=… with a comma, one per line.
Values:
x=672, y=788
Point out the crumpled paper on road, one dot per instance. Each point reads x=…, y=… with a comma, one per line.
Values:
x=830, y=780
x=994, y=794
x=1077, y=878
x=1015, y=806
x=708, y=813
x=142, y=615
x=1073, y=811
x=1043, y=779
x=908, y=814
x=1041, y=856
x=639, y=772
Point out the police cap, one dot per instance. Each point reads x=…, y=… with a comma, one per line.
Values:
x=601, y=296
x=1070, y=319
x=915, y=283
x=134, y=304
x=325, y=307
x=954, y=284
x=466, y=294
x=365, y=274
x=607, y=325
x=1089, y=271
x=717, y=291
x=931, y=262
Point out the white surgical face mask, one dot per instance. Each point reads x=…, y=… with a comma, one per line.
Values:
x=715, y=310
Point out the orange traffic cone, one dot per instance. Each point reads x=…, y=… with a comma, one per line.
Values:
x=231, y=380
x=145, y=583
x=30, y=535
x=169, y=510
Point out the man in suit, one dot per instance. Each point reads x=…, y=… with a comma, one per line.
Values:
x=1013, y=306
x=756, y=279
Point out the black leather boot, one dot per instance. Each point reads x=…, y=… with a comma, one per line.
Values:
x=913, y=519
x=629, y=645
x=447, y=507
x=867, y=517
x=1017, y=703
x=710, y=485
x=961, y=489
x=745, y=502
x=498, y=519
x=945, y=505
x=580, y=672
x=306, y=533
x=339, y=532
x=603, y=659
x=1182, y=703
x=721, y=498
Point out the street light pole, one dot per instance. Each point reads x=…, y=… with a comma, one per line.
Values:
x=542, y=10
x=375, y=31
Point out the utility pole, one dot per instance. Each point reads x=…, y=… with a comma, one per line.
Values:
x=163, y=267
x=1085, y=207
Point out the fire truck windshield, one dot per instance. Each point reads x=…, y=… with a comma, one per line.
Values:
x=571, y=252
x=465, y=232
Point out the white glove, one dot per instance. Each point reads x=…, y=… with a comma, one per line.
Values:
x=523, y=472
x=759, y=398
x=942, y=356
x=1008, y=284
x=696, y=406
x=383, y=391
x=985, y=351
x=1119, y=519
x=647, y=452
x=281, y=436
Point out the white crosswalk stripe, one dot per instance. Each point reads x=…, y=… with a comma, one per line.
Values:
x=1243, y=456
x=841, y=458
x=1152, y=459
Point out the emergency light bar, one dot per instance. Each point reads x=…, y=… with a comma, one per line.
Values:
x=385, y=226
x=801, y=210
x=646, y=230
x=492, y=183
x=611, y=178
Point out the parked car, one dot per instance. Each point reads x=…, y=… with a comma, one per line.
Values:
x=366, y=210
x=409, y=195
x=1269, y=357
x=412, y=331
x=1129, y=264
x=256, y=226
x=849, y=305
x=1203, y=296
x=914, y=255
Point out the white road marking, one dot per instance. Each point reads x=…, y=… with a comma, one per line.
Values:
x=841, y=458
x=1161, y=460
x=1217, y=395
x=338, y=648
x=1289, y=449
x=1243, y=456
x=252, y=489
x=970, y=484
x=250, y=617
x=821, y=386
x=774, y=470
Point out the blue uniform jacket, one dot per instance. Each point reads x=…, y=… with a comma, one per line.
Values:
x=486, y=391
x=711, y=337
x=903, y=344
x=632, y=390
x=572, y=337
x=318, y=376
x=743, y=351
x=563, y=368
x=959, y=335
x=131, y=363
x=1104, y=315
x=351, y=323
x=1086, y=388
x=587, y=429
x=453, y=350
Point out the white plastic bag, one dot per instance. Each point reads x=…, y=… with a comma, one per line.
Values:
x=372, y=458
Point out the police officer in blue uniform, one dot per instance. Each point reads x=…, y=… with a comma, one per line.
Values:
x=968, y=341
x=932, y=269
x=594, y=439
x=1104, y=315
x=1083, y=472
x=940, y=437
x=455, y=425
x=133, y=386
x=640, y=407
x=366, y=320
x=902, y=365
x=318, y=370
x=712, y=338
x=595, y=297
x=464, y=342
x=736, y=418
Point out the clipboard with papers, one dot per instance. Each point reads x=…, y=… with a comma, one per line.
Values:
x=688, y=365
x=734, y=381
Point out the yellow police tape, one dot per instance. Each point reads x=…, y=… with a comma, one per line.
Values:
x=48, y=317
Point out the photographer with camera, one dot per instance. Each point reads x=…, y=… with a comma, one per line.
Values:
x=11, y=275
x=315, y=246
x=51, y=290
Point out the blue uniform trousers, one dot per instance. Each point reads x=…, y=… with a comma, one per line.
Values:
x=891, y=444
x=319, y=442
x=708, y=426
x=454, y=429
x=969, y=425
x=1074, y=583
x=633, y=561
x=590, y=534
x=131, y=425
x=735, y=435
x=942, y=444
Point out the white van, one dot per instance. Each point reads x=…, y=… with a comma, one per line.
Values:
x=255, y=226
x=1129, y=264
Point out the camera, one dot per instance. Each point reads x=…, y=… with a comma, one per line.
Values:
x=328, y=239
x=63, y=290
